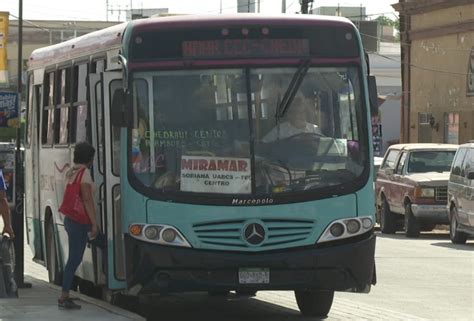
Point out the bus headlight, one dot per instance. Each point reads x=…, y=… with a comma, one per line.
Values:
x=346, y=227
x=337, y=229
x=169, y=235
x=158, y=234
x=152, y=232
x=353, y=226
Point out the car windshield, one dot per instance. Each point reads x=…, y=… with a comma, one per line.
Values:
x=430, y=161
x=195, y=134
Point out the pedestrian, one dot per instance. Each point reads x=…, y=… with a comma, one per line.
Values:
x=5, y=208
x=78, y=232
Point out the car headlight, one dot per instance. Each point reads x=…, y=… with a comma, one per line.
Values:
x=425, y=192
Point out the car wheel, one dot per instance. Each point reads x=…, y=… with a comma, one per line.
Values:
x=388, y=222
x=456, y=236
x=314, y=303
x=412, y=227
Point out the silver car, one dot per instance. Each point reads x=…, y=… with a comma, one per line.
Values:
x=461, y=195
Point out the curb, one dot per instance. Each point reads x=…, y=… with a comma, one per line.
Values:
x=102, y=304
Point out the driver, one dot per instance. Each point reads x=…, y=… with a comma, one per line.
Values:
x=294, y=124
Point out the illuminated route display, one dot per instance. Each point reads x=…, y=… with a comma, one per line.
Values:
x=245, y=48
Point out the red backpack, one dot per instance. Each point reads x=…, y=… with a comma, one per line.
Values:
x=72, y=205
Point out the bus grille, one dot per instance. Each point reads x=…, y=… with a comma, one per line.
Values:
x=441, y=194
x=230, y=233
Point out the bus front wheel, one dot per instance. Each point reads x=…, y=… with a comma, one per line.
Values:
x=314, y=303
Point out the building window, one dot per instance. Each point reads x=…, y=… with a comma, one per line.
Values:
x=424, y=127
x=424, y=118
x=451, y=130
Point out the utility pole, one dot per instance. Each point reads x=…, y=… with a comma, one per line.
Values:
x=17, y=215
x=118, y=10
x=305, y=6
x=283, y=6
x=107, y=10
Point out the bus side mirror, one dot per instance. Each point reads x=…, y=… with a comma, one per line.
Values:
x=118, y=116
x=373, y=96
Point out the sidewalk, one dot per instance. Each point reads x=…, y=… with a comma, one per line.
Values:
x=39, y=303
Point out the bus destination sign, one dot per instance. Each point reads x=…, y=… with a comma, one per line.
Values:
x=244, y=48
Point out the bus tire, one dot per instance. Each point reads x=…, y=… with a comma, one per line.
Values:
x=412, y=226
x=388, y=221
x=52, y=264
x=218, y=293
x=246, y=292
x=88, y=288
x=315, y=303
x=456, y=236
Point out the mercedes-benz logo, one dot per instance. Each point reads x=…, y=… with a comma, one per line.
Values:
x=254, y=233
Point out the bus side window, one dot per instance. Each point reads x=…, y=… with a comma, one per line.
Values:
x=48, y=110
x=79, y=120
x=63, y=107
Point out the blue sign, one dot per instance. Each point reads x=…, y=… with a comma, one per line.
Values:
x=8, y=109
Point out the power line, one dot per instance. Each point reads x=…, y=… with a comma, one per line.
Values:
x=422, y=67
x=291, y=5
x=425, y=47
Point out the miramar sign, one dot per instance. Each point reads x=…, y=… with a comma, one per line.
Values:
x=8, y=109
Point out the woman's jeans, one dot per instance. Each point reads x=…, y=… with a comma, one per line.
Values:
x=77, y=234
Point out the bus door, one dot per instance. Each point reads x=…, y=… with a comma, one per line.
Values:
x=32, y=207
x=97, y=136
x=111, y=205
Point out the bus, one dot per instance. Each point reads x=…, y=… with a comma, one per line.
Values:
x=233, y=154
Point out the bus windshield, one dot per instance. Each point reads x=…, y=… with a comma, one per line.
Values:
x=197, y=132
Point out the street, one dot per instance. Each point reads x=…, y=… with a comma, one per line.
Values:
x=418, y=279
x=428, y=278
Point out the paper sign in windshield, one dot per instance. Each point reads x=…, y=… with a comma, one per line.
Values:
x=223, y=175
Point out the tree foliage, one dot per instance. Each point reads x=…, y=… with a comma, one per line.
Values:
x=385, y=21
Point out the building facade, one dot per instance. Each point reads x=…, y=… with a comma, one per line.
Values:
x=437, y=50
x=42, y=33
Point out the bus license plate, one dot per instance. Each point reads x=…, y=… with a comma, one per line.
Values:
x=254, y=276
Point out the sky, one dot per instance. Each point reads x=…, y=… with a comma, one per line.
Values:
x=96, y=9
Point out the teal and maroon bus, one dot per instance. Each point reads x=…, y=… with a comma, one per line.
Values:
x=233, y=154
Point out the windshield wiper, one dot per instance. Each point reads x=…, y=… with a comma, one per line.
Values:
x=292, y=88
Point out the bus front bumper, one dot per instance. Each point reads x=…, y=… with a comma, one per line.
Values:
x=155, y=268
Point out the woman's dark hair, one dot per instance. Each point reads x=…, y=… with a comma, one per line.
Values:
x=83, y=153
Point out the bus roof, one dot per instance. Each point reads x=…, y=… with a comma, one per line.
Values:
x=111, y=37
x=89, y=44
x=224, y=20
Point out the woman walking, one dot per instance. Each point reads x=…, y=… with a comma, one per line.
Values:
x=78, y=231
